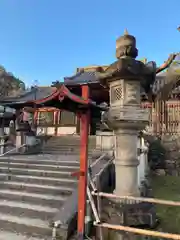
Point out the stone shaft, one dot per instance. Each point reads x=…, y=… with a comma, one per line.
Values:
x=126, y=162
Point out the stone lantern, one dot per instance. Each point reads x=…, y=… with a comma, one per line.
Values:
x=125, y=78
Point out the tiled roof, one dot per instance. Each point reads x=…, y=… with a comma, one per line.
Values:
x=91, y=77
x=30, y=95
x=82, y=77
x=159, y=82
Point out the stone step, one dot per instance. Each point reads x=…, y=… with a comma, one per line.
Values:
x=68, y=144
x=29, y=226
x=60, y=146
x=44, y=161
x=34, y=172
x=60, y=152
x=39, y=166
x=34, y=198
x=62, y=149
x=52, y=181
x=48, y=150
x=67, y=151
x=36, y=188
x=57, y=152
x=77, y=147
x=63, y=144
x=64, y=139
x=21, y=209
x=32, y=189
x=7, y=235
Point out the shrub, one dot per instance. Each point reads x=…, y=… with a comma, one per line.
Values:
x=156, y=155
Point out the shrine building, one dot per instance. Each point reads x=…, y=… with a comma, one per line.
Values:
x=54, y=121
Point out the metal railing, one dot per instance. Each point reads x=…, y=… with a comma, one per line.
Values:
x=91, y=182
x=14, y=149
x=94, y=190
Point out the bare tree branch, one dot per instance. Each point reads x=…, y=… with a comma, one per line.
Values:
x=167, y=63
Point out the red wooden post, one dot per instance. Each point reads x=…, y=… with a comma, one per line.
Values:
x=36, y=116
x=56, y=122
x=84, y=132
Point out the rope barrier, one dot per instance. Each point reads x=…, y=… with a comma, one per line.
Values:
x=138, y=231
x=140, y=199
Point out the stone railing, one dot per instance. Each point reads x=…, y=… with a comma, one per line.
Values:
x=59, y=130
x=143, y=161
x=51, y=130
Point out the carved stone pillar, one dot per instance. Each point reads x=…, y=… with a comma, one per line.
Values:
x=126, y=118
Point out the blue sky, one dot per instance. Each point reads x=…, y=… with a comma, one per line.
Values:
x=46, y=40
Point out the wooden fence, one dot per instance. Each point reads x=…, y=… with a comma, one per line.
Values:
x=164, y=117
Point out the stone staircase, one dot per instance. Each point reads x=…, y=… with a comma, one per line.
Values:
x=66, y=145
x=36, y=190
x=32, y=190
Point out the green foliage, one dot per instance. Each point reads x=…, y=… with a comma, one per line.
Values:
x=175, y=65
x=20, y=83
x=167, y=188
x=9, y=84
x=156, y=155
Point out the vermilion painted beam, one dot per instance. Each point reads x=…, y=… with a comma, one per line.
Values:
x=84, y=132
